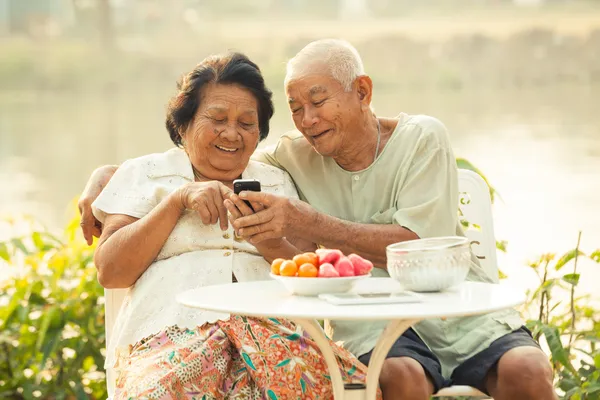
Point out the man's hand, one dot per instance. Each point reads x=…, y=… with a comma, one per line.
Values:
x=207, y=198
x=280, y=217
x=90, y=226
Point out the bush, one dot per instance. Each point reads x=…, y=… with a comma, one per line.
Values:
x=51, y=319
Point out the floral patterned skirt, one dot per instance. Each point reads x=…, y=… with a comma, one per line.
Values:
x=241, y=358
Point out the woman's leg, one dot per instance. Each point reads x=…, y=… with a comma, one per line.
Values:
x=284, y=361
x=182, y=364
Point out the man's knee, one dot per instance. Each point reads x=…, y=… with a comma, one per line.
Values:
x=527, y=371
x=405, y=378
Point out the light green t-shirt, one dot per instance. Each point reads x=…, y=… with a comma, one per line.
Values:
x=412, y=183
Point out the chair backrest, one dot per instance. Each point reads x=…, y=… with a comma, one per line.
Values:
x=476, y=206
x=113, y=298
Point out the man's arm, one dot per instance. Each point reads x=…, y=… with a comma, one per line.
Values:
x=90, y=226
x=291, y=217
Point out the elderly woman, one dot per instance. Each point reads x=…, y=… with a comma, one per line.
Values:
x=160, y=237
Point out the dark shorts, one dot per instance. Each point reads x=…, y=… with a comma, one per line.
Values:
x=471, y=373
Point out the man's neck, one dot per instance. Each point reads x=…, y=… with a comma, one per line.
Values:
x=360, y=151
x=359, y=155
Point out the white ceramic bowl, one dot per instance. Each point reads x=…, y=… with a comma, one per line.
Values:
x=429, y=265
x=316, y=286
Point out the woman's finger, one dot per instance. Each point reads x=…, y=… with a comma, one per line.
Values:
x=221, y=211
x=201, y=208
x=214, y=211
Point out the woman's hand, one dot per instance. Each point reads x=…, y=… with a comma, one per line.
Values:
x=207, y=199
x=90, y=226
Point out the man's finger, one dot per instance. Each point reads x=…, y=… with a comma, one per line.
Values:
x=267, y=199
x=258, y=218
x=233, y=210
x=87, y=224
x=252, y=230
x=241, y=205
x=262, y=237
x=257, y=206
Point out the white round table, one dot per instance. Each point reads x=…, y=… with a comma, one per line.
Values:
x=270, y=299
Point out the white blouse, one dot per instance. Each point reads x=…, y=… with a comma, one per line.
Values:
x=193, y=256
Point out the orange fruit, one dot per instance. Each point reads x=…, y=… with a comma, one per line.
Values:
x=308, y=270
x=288, y=268
x=276, y=265
x=306, y=258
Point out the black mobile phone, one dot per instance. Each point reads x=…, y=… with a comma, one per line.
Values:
x=240, y=185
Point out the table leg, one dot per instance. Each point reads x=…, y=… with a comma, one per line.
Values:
x=313, y=328
x=392, y=331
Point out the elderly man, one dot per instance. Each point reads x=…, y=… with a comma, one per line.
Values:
x=367, y=182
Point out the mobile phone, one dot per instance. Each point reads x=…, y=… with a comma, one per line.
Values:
x=371, y=298
x=240, y=185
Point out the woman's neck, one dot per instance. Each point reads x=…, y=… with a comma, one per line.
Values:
x=199, y=177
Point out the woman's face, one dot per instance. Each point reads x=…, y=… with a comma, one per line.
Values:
x=224, y=132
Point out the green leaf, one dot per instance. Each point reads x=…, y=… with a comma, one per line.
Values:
x=352, y=370
x=248, y=361
x=303, y=385
x=465, y=164
x=51, y=318
x=596, y=256
x=294, y=336
x=501, y=245
x=559, y=354
x=283, y=363
x=18, y=243
x=36, y=237
x=4, y=252
x=568, y=256
x=597, y=361
x=572, y=279
x=50, y=345
x=275, y=321
x=272, y=395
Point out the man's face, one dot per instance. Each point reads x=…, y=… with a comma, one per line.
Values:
x=323, y=111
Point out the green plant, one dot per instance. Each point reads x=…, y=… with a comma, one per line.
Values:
x=568, y=322
x=51, y=318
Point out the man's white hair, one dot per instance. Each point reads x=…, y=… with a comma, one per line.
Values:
x=340, y=57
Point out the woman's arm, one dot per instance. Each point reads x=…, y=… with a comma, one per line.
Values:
x=129, y=245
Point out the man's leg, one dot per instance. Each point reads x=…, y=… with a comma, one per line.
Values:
x=410, y=371
x=512, y=368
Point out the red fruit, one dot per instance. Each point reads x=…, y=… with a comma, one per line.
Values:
x=361, y=266
x=328, y=271
x=328, y=256
x=344, y=267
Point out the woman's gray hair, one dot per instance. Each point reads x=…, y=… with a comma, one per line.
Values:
x=342, y=59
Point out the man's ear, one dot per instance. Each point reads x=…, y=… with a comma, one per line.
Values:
x=364, y=88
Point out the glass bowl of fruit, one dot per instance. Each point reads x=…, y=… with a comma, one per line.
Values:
x=324, y=271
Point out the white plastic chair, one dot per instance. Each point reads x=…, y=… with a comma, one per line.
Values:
x=113, y=298
x=476, y=206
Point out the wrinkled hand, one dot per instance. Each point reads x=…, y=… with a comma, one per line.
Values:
x=90, y=226
x=207, y=198
x=238, y=209
x=280, y=217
